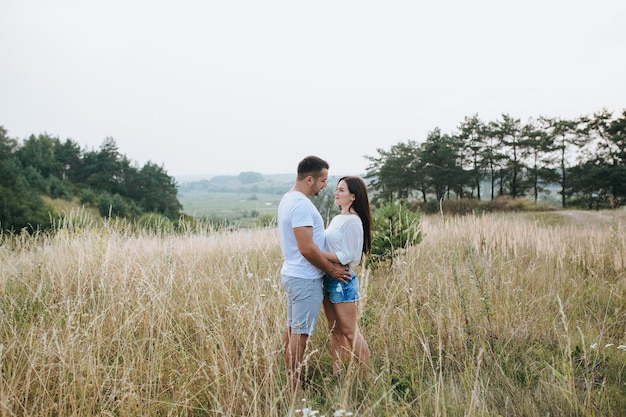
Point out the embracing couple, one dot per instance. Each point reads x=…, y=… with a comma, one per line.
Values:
x=317, y=265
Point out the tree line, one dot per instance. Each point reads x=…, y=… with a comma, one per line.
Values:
x=583, y=158
x=104, y=178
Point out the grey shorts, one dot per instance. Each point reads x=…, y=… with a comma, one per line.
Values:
x=304, y=300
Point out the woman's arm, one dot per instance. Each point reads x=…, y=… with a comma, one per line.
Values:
x=351, y=244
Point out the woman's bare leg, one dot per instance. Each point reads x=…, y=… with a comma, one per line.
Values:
x=338, y=342
x=346, y=316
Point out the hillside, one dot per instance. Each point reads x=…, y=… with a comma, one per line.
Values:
x=237, y=199
x=244, y=182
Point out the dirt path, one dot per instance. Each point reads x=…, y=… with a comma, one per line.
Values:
x=587, y=217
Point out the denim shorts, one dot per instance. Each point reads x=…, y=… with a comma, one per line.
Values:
x=304, y=301
x=341, y=293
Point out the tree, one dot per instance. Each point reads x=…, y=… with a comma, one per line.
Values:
x=157, y=191
x=325, y=203
x=103, y=169
x=589, y=185
x=617, y=130
x=44, y=165
x=599, y=180
x=494, y=157
x=518, y=158
x=442, y=164
x=38, y=152
x=396, y=173
x=21, y=206
x=249, y=177
x=69, y=160
x=508, y=130
x=539, y=146
x=565, y=135
x=473, y=138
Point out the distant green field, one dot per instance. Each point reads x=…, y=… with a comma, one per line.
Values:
x=232, y=206
x=228, y=198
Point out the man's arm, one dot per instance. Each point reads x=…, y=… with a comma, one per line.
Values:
x=313, y=254
x=331, y=256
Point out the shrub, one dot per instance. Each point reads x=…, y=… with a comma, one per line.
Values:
x=87, y=196
x=58, y=189
x=112, y=205
x=395, y=227
x=463, y=206
x=155, y=222
x=266, y=220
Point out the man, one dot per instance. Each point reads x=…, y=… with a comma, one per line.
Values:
x=301, y=230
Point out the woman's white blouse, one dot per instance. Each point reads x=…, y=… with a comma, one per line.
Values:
x=344, y=237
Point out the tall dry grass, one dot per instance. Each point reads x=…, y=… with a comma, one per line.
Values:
x=517, y=315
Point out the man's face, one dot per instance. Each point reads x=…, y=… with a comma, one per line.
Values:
x=319, y=183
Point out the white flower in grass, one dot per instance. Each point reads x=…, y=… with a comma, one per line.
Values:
x=306, y=411
x=608, y=345
x=594, y=346
x=622, y=347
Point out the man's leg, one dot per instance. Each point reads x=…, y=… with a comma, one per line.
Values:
x=294, y=348
x=305, y=302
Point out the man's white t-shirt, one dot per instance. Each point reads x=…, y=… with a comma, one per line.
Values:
x=297, y=210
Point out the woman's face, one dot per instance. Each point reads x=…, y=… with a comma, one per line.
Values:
x=343, y=196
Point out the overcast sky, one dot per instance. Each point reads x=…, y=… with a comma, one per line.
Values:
x=221, y=87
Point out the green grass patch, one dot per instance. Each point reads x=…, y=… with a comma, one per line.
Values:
x=232, y=206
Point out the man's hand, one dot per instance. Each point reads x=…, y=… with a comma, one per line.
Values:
x=340, y=273
x=310, y=251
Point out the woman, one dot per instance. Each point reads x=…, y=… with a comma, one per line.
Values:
x=348, y=237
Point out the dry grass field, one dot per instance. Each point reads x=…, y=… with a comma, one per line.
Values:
x=496, y=315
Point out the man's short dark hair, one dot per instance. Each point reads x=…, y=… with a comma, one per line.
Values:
x=311, y=165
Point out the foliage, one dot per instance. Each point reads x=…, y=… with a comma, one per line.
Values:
x=20, y=205
x=157, y=191
x=155, y=223
x=250, y=177
x=58, y=189
x=585, y=157
x=266, y=220
x=43, y=166
x=112, y=205
x=87, y=196
x=325, y=203
x=397, y=173
x=463, y=206
x=395, y=227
